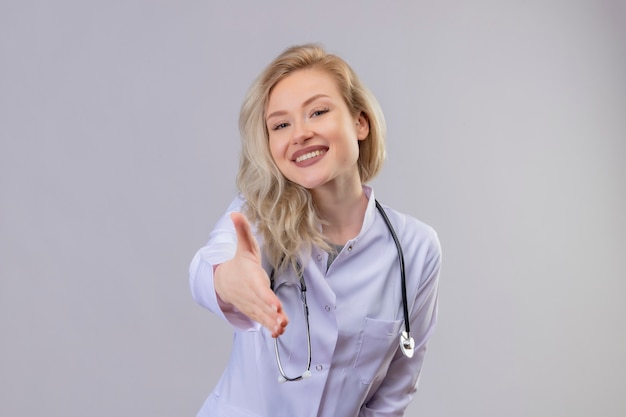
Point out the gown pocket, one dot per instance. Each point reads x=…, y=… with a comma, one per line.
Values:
x=377, y=345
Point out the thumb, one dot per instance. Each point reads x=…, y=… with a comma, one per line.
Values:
x=246, y=242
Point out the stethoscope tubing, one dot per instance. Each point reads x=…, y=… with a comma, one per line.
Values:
x=307, y=373
x=405, y=304
x=406, y=341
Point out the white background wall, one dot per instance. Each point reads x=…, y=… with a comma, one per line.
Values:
x=119, y=148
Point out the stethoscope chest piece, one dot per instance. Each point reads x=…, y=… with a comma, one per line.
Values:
x=407, y=344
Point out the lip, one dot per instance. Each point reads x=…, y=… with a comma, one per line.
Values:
x=307, y=150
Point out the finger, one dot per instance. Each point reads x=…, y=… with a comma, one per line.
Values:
x=280, y=329
x=278, y=319
x=246, y=241
x=273, y=320
x=279, y=326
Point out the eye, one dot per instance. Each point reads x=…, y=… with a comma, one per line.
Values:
x=279, y=126
x=319, y=112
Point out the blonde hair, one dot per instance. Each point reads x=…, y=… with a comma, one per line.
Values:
x=284, y=212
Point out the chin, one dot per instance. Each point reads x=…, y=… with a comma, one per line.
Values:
x=309, y=184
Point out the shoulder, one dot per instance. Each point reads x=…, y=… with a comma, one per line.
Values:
x=409, y=227
x=420, y=245
x=419, y=240
x=237, y=204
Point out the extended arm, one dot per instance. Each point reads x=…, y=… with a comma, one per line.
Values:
x=226, y=276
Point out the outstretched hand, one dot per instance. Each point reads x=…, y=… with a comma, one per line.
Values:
x=242, y=281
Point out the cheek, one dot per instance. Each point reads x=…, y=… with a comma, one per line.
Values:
x=351, y=140
x=353, y=154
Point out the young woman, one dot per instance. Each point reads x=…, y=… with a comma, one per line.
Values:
x=332, y=296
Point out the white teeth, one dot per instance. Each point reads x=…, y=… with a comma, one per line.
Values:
x=309, y=155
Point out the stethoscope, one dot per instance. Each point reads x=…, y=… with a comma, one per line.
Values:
x=407, y=344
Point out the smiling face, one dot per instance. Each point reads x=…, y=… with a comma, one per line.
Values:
x=313, y=136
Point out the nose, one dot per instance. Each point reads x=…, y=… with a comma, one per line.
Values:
x=301, y=133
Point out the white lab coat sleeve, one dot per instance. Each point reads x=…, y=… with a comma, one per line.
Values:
x=400, y=383
x=221, y=247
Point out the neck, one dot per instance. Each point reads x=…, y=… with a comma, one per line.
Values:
x=342, y=212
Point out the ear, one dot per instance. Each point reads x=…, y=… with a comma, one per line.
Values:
x=362, y=126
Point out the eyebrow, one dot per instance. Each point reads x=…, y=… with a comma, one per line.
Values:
x=304, y=104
